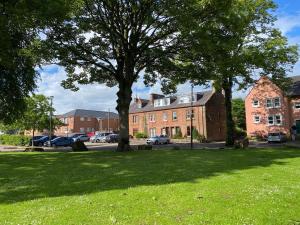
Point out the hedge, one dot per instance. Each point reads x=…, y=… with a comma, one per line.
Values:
x=17, y=140
x=141, y=135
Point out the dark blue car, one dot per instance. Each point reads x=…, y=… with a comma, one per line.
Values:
x=41, y=141
x=60, y=141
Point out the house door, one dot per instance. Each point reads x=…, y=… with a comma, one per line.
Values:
x=298, y=126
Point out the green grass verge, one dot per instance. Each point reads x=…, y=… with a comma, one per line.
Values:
x=151, y=187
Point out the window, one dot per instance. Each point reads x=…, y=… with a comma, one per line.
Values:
x=66, y=120
x=89, y=119
x=269, y=103
x=165, y=116
x=184, y=99
x=81, y=118
x=255, y=103
x=278, y=119
x=152, y=132
x=152, y=117
x=174, y=115
x=82, y=129
x=139, y=105
x=189, y=114
x=162, y=102
x=297, y=105
x=135, y=119
x=275, y=119
x=276, y=102
x=88, y=129
x=270, y=120
x=256, y=119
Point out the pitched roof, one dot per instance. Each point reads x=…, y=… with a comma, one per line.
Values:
x=202, y=98
x=90, y=113
x=295, y=88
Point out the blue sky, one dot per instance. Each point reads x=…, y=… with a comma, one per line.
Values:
x=100, y=97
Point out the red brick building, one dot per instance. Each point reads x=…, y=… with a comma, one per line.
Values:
x=170, y=115
x=269, y=109
x=86, y=121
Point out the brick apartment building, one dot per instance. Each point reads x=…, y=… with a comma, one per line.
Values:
x=269, y=109
x=167, y=115
x=86, y=121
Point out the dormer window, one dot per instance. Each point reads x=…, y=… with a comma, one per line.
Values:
x=187, y=99
x=162, y=102
x=139, y=105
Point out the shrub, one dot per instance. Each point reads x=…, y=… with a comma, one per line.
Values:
x=178, y=135
x=16, y=140
x=141, y=135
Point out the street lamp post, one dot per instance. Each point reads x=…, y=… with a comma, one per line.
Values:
x=50, y=132
x=192, y=115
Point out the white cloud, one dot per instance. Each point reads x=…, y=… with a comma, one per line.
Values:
x=95, y=97
x=287, y=23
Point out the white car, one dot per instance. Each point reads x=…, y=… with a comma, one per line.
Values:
x=277, y=137
x=162, y=139
x=82, y=138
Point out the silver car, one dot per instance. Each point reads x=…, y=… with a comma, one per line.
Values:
x=162, y=139
x=82, y=138
x=277, y=137
x=99, y=137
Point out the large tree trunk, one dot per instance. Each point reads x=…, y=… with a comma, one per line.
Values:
x=124, y=99
x=227, y=87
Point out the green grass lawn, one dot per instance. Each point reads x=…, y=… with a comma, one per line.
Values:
x=151, y=187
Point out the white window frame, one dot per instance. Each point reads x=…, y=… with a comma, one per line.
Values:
x=151, y=117
x=165, y=116
x=82, y=118
x=255, y=119
x=274, y=119
x=135, y=119
x=173, y=117
x=295, y=105
x=272, y=105
x=82, y=129
x=254, y=105
x=279, y=102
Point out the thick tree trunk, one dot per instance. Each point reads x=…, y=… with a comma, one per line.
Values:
x=124, y=99
x=227, y=86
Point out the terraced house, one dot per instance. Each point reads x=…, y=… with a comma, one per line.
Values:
x=171, y=115
x=270, y=109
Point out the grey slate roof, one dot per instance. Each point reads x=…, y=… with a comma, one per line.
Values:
x=203, y=98
x=90, y=113
x=295, y=88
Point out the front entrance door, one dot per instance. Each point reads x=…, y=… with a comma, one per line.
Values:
x=298, y=126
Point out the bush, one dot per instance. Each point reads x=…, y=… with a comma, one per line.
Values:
x=178, y=135
x=239, y=133
x=16, y=140
x=141, y=135
x=198, y=137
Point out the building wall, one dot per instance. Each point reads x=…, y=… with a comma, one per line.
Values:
x=143, y=124
x=89, y=124
x=216, y=117
x=263, y=90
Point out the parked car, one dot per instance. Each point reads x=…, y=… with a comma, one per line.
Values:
x=277, y=137
x=60, y=141
x=35, y=138
x=42, y=140
x=112, y=138
x=100, y=137
x=162, y=139
x=82, y=138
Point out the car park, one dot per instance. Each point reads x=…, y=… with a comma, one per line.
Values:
x=112, y=138
x=60, y=141
x=277, y=137
x=162, y=139
x=100, y=137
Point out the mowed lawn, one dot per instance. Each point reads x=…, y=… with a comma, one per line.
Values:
x=151, y=187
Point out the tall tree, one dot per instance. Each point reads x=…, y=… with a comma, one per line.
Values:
x=238, y=113
x=236, y=47
x=20, y=23
x=113, y=42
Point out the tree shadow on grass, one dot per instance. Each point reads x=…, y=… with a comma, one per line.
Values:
x=28, y=176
